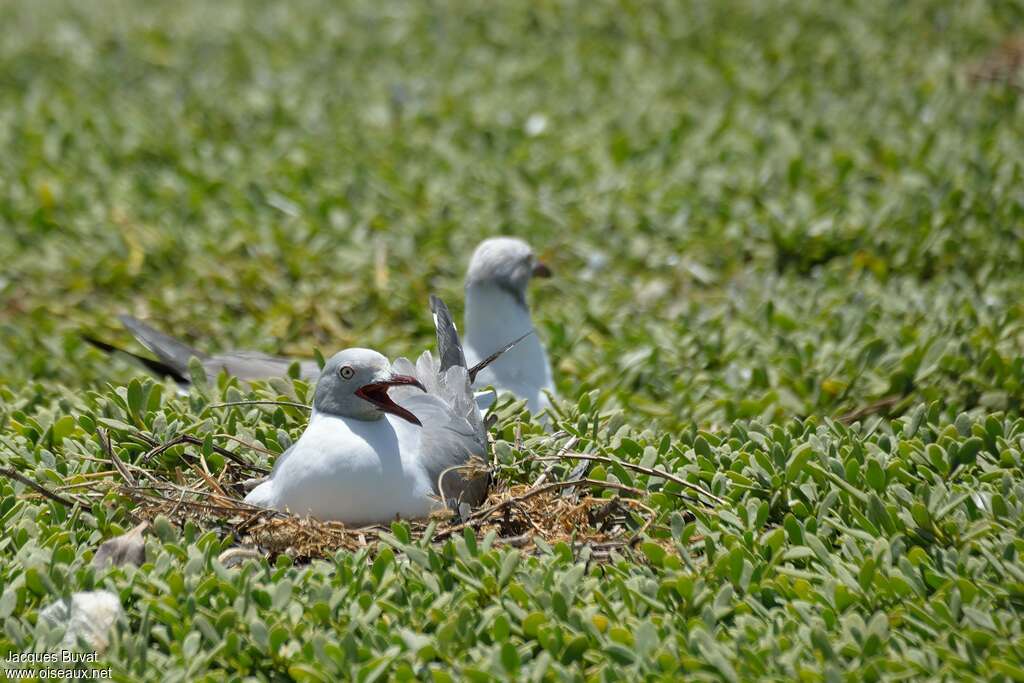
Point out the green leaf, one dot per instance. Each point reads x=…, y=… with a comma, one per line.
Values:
x=469, y=536
x=401, y=532
x=508, y=566
x=574, y=649
x=8, y=602
x=866, y=574
x=197, y=374
x=116, y=425
x=875, y=476
x=190, y=646
x=385, y=558
x=135, y=399
x=968, y=452
x=34, y=581
x=655, y=553
x=914, y=423
x=306, y=672
x=282, y=594
x=963, y=424
x=532, y=623
x=799, y=459
x=509, y=657
x=63, y=428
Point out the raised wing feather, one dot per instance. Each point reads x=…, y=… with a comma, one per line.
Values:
x=449, y=348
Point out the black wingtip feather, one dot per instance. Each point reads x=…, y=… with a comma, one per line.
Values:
x=156, y=367
x=101, y=345
x=449, y=348
x=473, y=371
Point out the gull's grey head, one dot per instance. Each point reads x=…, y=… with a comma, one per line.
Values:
x=355, y=382
x=507, y=263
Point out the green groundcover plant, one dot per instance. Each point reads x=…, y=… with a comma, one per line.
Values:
x=788, y=244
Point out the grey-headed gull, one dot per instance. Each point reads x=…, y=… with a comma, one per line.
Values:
x=496, y=311
x=367, y=456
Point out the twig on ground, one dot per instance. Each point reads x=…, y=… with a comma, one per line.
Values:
x=232, y=404
x=108, y=447
x=208, y=479
x=182, y=439
x=551, y=468
x=243, y=442
x=880, y=406
x=38, y=488
x=644, y=470
x=519, y=541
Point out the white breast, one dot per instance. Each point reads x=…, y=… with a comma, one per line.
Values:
x=354, y=471
x=493, y=319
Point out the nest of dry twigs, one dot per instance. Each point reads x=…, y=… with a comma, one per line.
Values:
x=519, y=514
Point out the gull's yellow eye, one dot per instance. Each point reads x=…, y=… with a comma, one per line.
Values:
x=346, y=372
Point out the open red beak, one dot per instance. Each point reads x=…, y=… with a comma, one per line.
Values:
x=377, y=394
x=541, y=269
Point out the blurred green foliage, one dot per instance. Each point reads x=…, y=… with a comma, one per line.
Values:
x=762, y=215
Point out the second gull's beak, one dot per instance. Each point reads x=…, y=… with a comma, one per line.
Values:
x=541, y=269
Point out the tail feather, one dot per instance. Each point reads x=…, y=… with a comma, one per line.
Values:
x=169, y=350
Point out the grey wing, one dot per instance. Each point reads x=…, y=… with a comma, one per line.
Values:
x=447, y=439
x=451, y=387
x=453, y=432
x=449, y=348
x=174, y=353
x=309, y=370
x=249, y=365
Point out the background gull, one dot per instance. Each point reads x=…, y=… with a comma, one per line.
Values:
x=497, y=311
